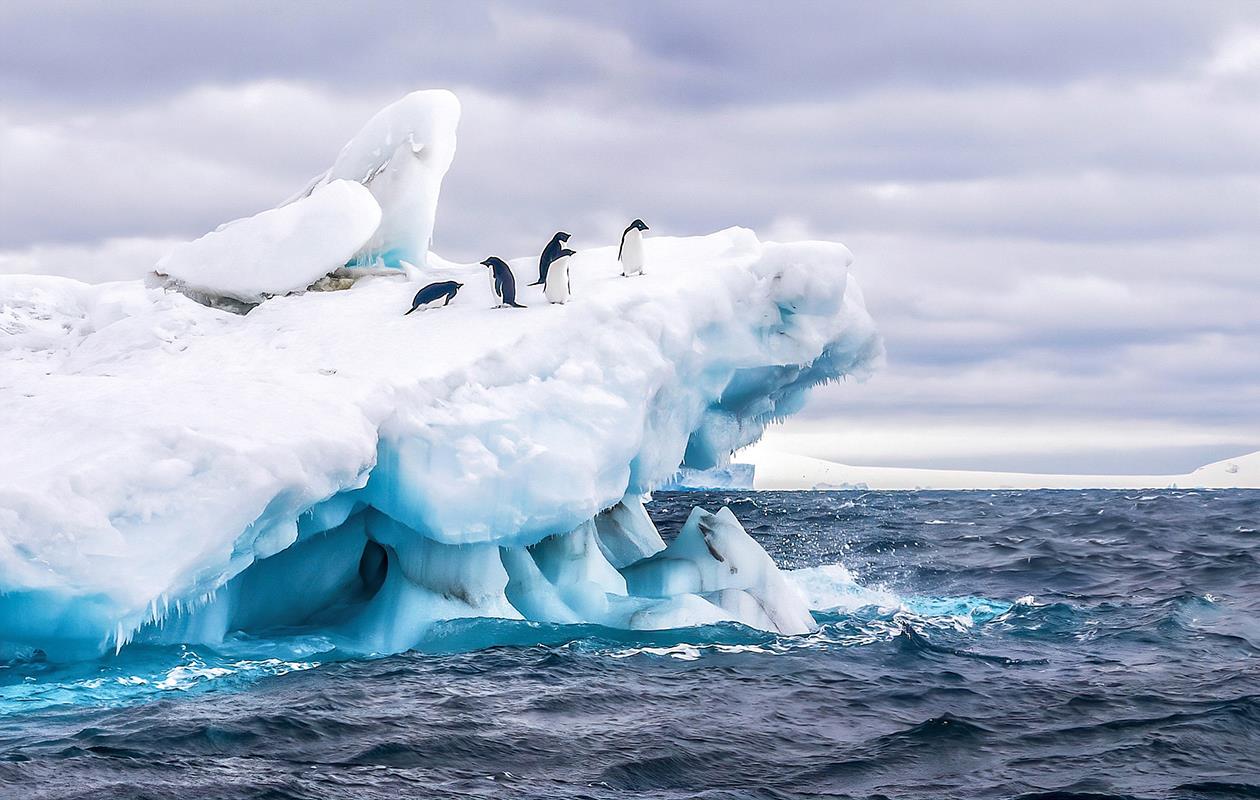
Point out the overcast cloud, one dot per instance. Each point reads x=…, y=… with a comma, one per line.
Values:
x=1055, y=207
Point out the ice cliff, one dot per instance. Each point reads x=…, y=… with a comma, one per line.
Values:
x=170, y=471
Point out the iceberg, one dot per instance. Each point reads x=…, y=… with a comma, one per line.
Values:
x=731, y=476
x=174, y=472
x=277, y=251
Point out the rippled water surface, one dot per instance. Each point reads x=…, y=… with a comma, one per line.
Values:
x=1036, y=644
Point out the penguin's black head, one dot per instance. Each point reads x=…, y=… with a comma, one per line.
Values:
x=458, y=284
x=562, y=237
x=489, y=262
x=638, y=223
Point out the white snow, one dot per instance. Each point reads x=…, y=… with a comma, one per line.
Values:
x=280, y=250
x=401, y=156
x=775, y=470
x=177, y=472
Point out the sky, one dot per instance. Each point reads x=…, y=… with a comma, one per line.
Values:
x=1055, y=207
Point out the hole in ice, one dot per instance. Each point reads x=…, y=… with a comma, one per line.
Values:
x=373, y=565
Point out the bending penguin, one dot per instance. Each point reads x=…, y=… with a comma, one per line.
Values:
x=549, y=254
x=559, y=286
x=434, y=292
x=631, y=252
x=502, y=281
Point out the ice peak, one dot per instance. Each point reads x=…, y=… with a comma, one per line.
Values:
x=373, y=208
x=401, y=155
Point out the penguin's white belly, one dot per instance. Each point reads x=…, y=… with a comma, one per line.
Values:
x=632, y=252
x=494, y=287
x=557, y=287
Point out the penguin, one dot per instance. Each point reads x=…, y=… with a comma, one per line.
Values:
x=559, y=285
x=502, y=281
x=434, y=292
x=630, y=254
x=549, y=254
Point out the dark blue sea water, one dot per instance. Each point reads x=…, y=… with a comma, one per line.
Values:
x=1013, y=644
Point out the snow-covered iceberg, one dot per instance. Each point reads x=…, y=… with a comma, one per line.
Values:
x=175, y=472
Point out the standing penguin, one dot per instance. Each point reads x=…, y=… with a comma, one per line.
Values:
x=503, y=282
x=559, y=286
x=549, y=254
x=631, y=253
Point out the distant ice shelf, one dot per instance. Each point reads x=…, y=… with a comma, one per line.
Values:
x=731, y=476
x=372, y=210
x=777, y=470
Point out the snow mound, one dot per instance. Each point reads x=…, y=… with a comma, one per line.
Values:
x=281, y=250
x=401, y=156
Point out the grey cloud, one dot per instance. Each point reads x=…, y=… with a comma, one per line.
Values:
x=913, y=162
x=99, y=54
x=1056, y=211
x=817, y=46
x=691, y=54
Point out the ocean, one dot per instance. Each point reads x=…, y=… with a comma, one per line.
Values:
x=1030, y=644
